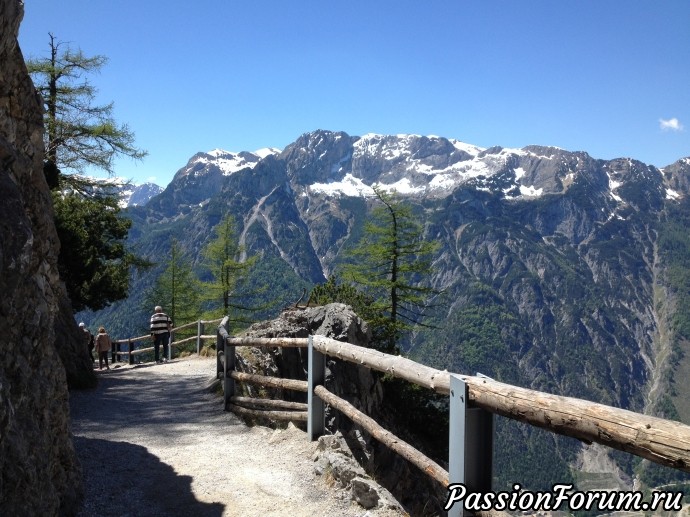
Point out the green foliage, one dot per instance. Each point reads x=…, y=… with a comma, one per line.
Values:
x=674, y=247
x=363, y=304
x=177, y=289
x=79, y=134
x=228, y=266
x=285, y=288
x=420, y=413
x=390, y=262
x=93, y=262
x=654, y=475
x=480, y=336
x=334, y=292
x=533, y=457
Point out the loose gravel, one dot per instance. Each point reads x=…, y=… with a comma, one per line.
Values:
x=153, y=440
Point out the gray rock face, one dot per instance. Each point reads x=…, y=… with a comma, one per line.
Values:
x=39, y=473
x=337, y=321
x=350, y=453
x=358, y=385
x=335, y=458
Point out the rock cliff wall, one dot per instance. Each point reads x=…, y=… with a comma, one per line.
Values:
x=39, y=472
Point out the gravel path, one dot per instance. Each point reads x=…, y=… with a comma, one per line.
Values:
x=153, y=441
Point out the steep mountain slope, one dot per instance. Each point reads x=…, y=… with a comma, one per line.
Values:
x=137, y=195
x=560, y=272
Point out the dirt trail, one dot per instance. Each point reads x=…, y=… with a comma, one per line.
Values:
x=153, y=441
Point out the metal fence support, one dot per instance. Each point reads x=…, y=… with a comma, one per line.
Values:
x=316, y=423
x=470, y=444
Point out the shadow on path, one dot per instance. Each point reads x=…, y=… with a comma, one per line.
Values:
x=117, y=488
x=119, y=425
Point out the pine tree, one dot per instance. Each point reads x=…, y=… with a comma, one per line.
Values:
x=390, y=263
x=93, y=261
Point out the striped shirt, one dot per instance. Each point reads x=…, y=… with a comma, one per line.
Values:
x=160, y=323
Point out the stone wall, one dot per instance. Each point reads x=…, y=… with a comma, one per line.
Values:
x=39, y=472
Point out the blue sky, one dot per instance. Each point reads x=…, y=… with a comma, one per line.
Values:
x=611, y=78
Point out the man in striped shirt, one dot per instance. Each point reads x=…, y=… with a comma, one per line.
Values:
x=161, y=325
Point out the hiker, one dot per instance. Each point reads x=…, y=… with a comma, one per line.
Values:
x=103, y=345
x=161, y=326
x=88, y=341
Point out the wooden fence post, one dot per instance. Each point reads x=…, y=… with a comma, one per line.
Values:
x=199, y=333
x=470, y=446
x=228, y=381
x=316, y=376
x=220, y=349
x=130, y=349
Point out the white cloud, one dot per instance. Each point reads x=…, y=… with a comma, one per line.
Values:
x=672, y=124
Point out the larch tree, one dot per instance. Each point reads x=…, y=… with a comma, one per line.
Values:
x=391, y=263
x=81, y=135
x=228, y=266
x=177, y=289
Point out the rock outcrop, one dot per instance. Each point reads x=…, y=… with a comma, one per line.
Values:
x=360, y=387
x=39, y=472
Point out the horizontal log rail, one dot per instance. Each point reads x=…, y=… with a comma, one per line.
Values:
x=117, y=352
x=662, y=441
x=396, y=365
x=272, y=382
x=175, y=329
x=295, y=416
x=151, y=348
x=433, y=469
x=279, y=404
x=282, y=342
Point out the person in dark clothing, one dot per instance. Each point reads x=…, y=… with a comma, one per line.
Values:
x=161, y=326
x=88, y=341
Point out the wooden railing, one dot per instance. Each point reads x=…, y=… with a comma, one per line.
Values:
x=133, y=349
x=473, y=402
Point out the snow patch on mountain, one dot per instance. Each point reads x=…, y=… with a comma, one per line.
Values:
x=227, y=161
x=531, y=191
x=613, y=185
x=348, y=186
x=672, y=194
x=431, y=165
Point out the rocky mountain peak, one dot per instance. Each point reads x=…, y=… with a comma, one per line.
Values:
x=677, y=179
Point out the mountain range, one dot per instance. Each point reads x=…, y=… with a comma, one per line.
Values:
x=558, y=271
x=137, y=195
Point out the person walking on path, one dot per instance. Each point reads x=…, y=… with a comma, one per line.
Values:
x=88, y=341
x=103, y=345
x=161, y=326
